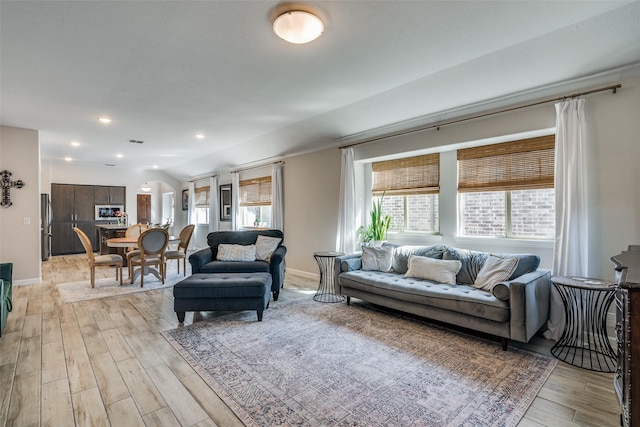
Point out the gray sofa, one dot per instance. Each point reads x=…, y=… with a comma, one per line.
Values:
x=204, y=261
x=515, y=309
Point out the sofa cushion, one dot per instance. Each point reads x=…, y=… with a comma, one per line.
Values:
x=265, y=246
x=239, y=237
x=494, y=271
x=459, y=298
x=436, y=270
x=235, y=267
x=472, y=262
x=227, y=252
x=401, y=255
x=377, y=258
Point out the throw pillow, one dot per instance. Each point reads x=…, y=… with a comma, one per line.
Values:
x=265, y=246
x=494, y=271
x=378, y=259
x=228, y=252
x=402, y=253
x=472, y=262
x=436, y=270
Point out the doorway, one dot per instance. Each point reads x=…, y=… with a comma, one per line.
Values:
x=143, y=204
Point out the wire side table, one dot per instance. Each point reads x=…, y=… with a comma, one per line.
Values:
x=327, y=291
x=584, y=342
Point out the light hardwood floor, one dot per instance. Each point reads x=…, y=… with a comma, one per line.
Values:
x=104, y=362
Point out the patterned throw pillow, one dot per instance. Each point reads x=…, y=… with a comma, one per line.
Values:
x=228, y=252
x=265, y=246
x=377, y=258
x=435, y=270
x=494, y=271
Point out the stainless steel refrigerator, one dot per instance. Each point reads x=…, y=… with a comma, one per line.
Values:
x=45, y=226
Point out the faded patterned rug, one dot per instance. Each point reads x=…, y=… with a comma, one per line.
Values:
x=316, y=364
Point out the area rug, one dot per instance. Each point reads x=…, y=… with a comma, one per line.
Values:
x=318, y=364
x=82, y=291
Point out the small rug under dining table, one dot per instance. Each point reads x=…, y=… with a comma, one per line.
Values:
x=316, y=364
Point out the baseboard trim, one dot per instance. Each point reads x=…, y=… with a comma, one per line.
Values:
x=305, y=274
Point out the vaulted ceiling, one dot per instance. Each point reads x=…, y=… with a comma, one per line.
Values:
x=165, y=71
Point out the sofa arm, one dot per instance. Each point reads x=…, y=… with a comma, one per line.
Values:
x=200, y=258
x=277, y=267
x=529, y=297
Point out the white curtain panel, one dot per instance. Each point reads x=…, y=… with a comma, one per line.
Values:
x=277, y=196
x=191, y=203
x=571, y=249
x=214, y=205
x=346, y=237
x=235, y=200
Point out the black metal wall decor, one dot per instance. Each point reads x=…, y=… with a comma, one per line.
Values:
x=6, y=185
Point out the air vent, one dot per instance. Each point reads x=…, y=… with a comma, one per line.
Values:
x=136, y=141
x=109, y=164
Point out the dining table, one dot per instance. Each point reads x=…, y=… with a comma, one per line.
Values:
x=132, y=242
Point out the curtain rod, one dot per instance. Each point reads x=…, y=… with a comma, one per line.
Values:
x=200, y=179
x=256, y=167
x=613, y=88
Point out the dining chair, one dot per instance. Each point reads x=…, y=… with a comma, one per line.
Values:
x=113, y=260
x=181, y=251
x=152, y=245
x=134, y=230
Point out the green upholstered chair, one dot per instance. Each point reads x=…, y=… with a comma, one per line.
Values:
x=6, y=273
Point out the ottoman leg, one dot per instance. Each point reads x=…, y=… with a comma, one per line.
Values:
x=180, y=316
x=260, y=315
x=276, y=294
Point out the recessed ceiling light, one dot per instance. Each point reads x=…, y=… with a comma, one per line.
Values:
x=119, y=155
x=104, y=120
x=156, y=166
x=199, y=136
x=68, y=159
x=75, y=143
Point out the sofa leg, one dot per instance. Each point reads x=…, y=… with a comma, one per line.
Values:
x=348, y=300
x=259, y=315
x=505, y=343
x=180, y=316
x=276, y=294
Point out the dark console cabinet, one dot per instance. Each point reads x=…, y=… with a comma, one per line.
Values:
x=628, y=334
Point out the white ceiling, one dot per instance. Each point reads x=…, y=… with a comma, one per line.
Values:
x=164, y=71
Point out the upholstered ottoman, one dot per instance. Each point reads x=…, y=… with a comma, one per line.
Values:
x=222, y=292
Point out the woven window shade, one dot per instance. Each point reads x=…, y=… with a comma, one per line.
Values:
x=408, y=176
x=525, y=164
x=201, y=196
x=255, y=192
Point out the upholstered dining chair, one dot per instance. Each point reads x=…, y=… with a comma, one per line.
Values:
x=181, y=252
x=152, y=245
x=113, y=260
x=134, y=230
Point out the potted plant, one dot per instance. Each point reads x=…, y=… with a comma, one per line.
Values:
x=376, y=232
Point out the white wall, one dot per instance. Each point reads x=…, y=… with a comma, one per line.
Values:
x=20, y=223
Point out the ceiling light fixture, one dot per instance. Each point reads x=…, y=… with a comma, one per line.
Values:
x=298, y=27
x=68, y=159
x=145, y=187
x=75, y=144
x=104, y=120
x=199, y=136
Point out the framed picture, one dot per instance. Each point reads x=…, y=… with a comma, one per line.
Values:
x=225, y=202
x=185, y=200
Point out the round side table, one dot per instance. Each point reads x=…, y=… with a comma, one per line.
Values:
x=584, y=342
x=327, y=288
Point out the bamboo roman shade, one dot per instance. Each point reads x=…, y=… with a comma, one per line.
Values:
x=201, y=196
x=255, y=192
x=525, y=164
x=411, y=175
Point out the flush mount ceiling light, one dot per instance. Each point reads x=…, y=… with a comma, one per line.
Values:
x=145, y=187
x=297, y=26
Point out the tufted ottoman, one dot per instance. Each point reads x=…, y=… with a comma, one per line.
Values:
x=222, y=291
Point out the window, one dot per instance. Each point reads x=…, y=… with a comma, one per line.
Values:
x=506, y=190
x=255, y=202
x=410, y=187
x=201, y=196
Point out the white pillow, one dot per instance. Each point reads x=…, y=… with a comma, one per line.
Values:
x=265, y=246
x=377, y=259
x=436, y=270
x=228, y=252
x=494, y=271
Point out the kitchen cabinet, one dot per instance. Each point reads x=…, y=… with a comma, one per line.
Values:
x=105, y=195
x=74, y=206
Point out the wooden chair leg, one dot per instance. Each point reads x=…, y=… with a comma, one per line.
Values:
x=93, y=276
x=120, y=274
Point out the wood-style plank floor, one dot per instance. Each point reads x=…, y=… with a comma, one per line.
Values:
x=104, y=362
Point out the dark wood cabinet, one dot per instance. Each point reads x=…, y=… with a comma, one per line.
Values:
x=74, y=206
x=628, y=334
x=105, y=195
